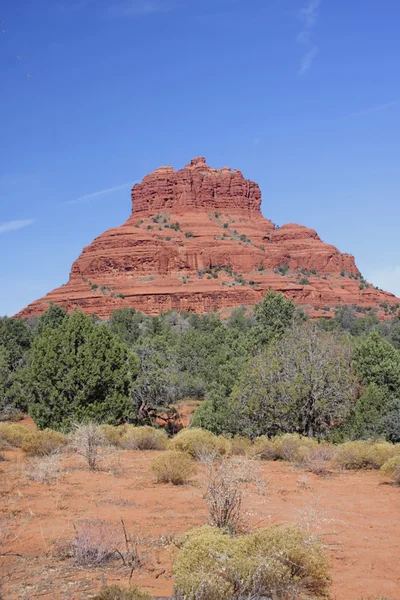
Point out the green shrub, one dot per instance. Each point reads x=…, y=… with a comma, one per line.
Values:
x=115, y=592
x=391, y=468
x=365, y=455
x=214, y=566
x=200, y=443
x=43, y=443
x=173, y=467
x=13, y=434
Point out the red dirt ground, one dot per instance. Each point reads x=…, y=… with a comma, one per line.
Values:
x=357, y=515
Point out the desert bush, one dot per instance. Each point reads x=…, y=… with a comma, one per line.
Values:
x=86, y=440
x=115, y=592
x=13, y=434
x=94, y=543
x=240, y=446
x=276, y=562
x=45, y=469
x=173, y=467
x=289, y=447
x=144, y=438
x=43, y=443
x=391, y=468
x=224, y=497
x=201, y=443
x=365, y=455
x=113, y=434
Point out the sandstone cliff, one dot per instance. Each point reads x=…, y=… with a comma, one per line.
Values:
x=196, y=240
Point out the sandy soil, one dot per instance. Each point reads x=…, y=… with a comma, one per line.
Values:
x=357, y=515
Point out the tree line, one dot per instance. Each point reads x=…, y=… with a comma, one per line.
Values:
x=261, y=372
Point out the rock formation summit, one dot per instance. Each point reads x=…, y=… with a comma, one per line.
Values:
x=196, y=240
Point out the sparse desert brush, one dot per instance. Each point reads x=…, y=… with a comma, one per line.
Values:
x=201, y=444
x=173, y=467
x=144, y=438
x=391, y=469
x=13, y=434
x=224, y=496
x=45, y=469
x=86, y=440
x=365, y=455
x=95, y=543
x=276, y=562
x=240, y=446
x=43, y=443
x=114, y=592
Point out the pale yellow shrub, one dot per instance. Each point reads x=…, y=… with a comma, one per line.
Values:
x=144, y=438
x=43, y=443
x=240, y=446
x=365, y=455
x=200, y=443
x=173, y=467
x=289, y=447
x=114, y=592
x=279, y=562
x=13, y=434
x=391, y=469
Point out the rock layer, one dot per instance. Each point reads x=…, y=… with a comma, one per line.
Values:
x=196, y=240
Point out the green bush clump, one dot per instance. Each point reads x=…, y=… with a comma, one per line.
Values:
x=200, y=443
x=173, y=467
x=13, y=434
x=43, y=443
x=365, y=455
x=278, y=562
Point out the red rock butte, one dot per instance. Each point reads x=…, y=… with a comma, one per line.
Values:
x=196, y=241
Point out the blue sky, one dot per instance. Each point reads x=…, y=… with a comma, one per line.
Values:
x=302, y=95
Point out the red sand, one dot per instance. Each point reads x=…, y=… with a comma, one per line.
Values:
x=356, y=514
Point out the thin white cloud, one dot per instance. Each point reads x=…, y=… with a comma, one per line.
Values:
x=88, y=197
x=14, y=225
x=308, y=15
x=371, y=110
x=138, y=8
x=386, y=278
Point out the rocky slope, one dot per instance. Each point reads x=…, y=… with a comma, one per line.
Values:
x=196, y=240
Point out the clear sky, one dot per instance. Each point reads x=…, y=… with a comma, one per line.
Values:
x=302, y=95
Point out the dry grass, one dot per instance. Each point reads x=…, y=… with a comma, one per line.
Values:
x=173, y=467
x=44, y=469
x=43, y=443
x=201, y=444
x=240, y=446
x=13, y=434
x=117, y=593
x=391, y=468
x=274, y=563
x=365, y=455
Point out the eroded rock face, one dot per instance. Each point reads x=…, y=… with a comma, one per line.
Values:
x=196, y=240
